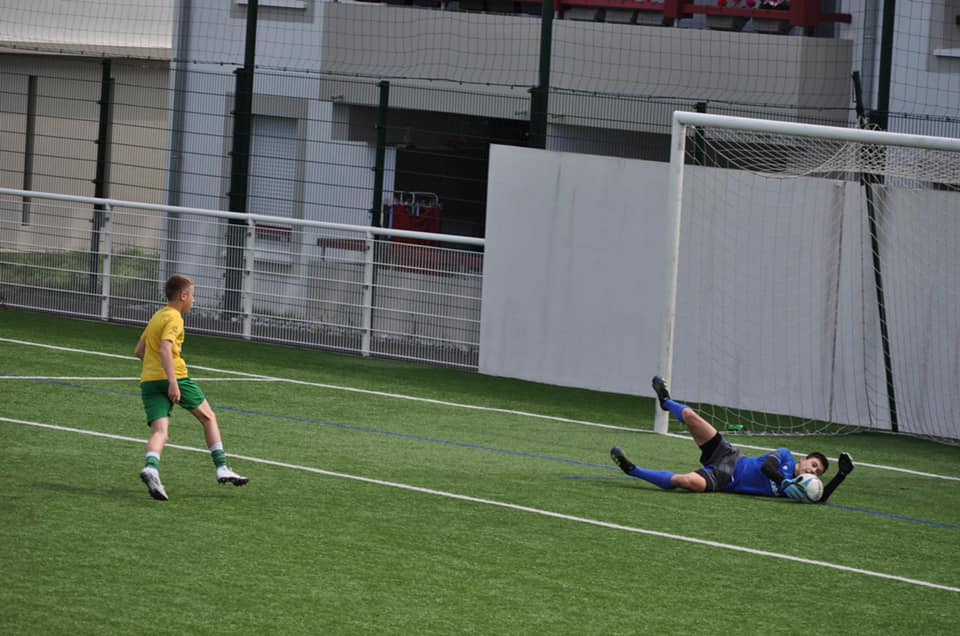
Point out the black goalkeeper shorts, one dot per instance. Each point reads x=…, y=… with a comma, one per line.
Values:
x=719, y=458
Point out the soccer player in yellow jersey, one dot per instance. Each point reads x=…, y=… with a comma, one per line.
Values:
x=164, y=382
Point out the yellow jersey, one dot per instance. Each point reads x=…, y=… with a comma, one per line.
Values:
x=166, y=324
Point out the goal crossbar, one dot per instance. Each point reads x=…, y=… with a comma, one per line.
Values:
x=760, y=135
x=684, y=119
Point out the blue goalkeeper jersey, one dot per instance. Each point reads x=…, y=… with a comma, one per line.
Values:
x=748, y=478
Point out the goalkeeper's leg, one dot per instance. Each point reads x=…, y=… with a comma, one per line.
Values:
x=660, y=478
x=701, y=430
x=666, y=403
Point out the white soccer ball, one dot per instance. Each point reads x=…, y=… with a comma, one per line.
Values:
x=812, y=487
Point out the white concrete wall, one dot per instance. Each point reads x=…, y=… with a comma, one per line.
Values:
x=501, y=54
x=572, y=277
x=925, y=81
x=925, y=76
x=335, y=176
x=139, y=28
x=776, y=308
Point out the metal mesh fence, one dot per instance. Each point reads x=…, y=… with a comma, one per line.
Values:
x=361, y=290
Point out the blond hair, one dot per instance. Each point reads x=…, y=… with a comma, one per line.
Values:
x=176, y=285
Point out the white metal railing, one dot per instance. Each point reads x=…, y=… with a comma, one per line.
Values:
x=365, y=290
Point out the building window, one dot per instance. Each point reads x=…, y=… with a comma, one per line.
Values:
x=283, y=4
x=273, y=184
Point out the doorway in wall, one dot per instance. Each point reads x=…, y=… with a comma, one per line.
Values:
x=444, y=154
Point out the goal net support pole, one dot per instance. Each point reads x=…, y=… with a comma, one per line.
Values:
x=918, y=164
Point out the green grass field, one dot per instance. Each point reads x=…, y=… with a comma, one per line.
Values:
x=400, y=509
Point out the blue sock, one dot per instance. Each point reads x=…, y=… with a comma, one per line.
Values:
x=659, y=478
x=675, y=408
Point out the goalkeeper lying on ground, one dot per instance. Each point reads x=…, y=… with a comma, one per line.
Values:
x=726, y=468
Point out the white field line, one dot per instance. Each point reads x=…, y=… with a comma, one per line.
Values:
x=490, y=409
x=79, y=378
x=335, y=387
x=515, y=507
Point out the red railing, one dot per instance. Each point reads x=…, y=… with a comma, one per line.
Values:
x=798, y=13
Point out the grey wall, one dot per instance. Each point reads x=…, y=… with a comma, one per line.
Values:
x=572, y=270
x=776, y=308
x=499, y=55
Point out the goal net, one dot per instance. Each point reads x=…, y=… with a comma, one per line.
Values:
x=814, y=284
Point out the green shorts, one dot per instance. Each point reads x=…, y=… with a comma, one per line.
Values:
x=157, y=404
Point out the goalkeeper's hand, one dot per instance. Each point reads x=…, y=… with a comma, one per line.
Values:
x=846, y=464
x=792, y=489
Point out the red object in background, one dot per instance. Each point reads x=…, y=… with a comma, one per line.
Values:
x=405, y=218
x=422, y=212
x=798, y=13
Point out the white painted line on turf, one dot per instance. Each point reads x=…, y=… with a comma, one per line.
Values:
x=59, y=348
x=516, y=507
x=490, y=409
x=68, y=377
x=335, y=387
x=84, y=378
x=413, y=398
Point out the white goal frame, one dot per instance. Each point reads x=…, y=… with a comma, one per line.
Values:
x=683, y=121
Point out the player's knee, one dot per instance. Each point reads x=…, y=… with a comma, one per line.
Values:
x=205, y=415
x=690, y=481
x=160, y=427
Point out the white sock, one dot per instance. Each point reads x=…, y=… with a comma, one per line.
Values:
x=155, y=456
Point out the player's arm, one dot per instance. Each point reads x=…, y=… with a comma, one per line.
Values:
x=771, y=468
x=787, y=487
x=845, y=468
x=141, y=348
x=166, y=359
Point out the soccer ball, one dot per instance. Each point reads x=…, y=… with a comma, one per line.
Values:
x=812, y=487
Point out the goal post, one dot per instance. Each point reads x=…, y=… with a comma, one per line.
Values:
x=812, y=277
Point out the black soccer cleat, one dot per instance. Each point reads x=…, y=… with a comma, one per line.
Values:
x=660, y=387
x=621, y=460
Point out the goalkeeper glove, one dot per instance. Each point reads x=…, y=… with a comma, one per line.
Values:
x=846, y=464
x=791, y=488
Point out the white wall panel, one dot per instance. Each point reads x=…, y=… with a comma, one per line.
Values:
x=572, y=276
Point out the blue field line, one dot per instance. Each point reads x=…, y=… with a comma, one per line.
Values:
x=419, y=438
x=349, y=427
x=889, y=515
x=491, y=449
x=597, y=477
x=877, y=513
